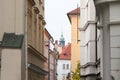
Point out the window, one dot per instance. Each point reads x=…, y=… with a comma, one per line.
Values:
x=67, y=66
x=63, y=66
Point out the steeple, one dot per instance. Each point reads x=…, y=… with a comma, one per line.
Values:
x=62, y=40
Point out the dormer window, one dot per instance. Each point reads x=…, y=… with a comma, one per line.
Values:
x=65, y=54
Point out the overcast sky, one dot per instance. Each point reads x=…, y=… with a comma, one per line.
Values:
x=56, y=17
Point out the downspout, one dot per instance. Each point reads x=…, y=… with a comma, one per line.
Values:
x=25, y=42
x=77, y=23
x=0, y=53
x=48, y=64
x=96, y=54
x=49, y=60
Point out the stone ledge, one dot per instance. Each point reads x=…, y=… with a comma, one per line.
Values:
x=97, y=2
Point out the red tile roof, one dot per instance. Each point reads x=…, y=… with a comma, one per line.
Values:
x=66, y=53
x=75, y=11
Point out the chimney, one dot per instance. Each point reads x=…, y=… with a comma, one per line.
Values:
x=56, y=41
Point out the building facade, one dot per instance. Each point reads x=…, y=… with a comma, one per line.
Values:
x=87, y=45
x=100, y=39
x=22, y=39
x=51, y=55
x=64, y=63
x=35, y=38
x=74, y=18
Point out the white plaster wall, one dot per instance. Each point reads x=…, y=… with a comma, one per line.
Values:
x=91, y=11
x=87, y=45
x=11, y=64
x=114, y=12
x=88, y=12
x=83, y=16
x=60, y=70
x=115, y=40
x=115, y=50
x=82, y=56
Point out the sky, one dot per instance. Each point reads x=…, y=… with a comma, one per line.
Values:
x=57, y=21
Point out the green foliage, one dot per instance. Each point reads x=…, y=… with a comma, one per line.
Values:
x=76, y=74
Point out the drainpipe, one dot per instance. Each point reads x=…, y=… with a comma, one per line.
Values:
x=96, y=54
x=0, y=52
x=47, y=45
x=48, y=63
x=106, y=63
x=25, y=41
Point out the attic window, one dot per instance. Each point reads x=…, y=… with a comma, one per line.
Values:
x=65, y=54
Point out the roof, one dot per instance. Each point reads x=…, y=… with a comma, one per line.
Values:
x=47, y=33
x=11, y=40
x=73, y=12
x=66, y=53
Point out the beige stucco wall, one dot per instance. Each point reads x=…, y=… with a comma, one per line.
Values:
x=12, y=20
x=11, y=64
x=12, y=16
x=75, y=44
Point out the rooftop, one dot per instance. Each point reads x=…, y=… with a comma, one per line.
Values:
x=66, y=53
x=75, y=11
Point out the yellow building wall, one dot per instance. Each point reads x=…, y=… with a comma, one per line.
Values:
x=75, y=37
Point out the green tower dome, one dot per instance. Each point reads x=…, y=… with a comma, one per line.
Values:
x=62, y=40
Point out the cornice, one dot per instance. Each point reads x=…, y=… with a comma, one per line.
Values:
x=97, y=2
x=44, y=22
x=88, y=64
x=32, y=2
x=36, y=10
x=33, y=50
x=41, y=16
x=86, y=25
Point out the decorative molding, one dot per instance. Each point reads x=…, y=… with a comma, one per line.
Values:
x=41, y=17
x=36, y=10
x=40, y=1
x=36, y=52
x=37, y=69
x=91, y=74
x=114, y=23
x=86, y=25
x=29, y=12
x=88, y=64
x=44, y=22
x=32, y=2
x=97, y=2
x=87, y=43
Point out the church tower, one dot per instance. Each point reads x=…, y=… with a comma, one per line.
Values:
x=62, y=41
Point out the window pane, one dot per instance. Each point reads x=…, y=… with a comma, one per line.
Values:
x=67, y=66
x=63, y=66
